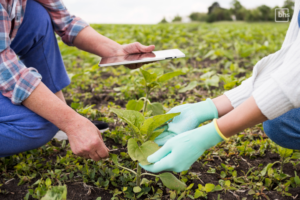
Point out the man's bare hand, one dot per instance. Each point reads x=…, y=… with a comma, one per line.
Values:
x=86, y=140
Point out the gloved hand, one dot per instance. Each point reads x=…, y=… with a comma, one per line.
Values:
x=191, y=116
x=180, y=152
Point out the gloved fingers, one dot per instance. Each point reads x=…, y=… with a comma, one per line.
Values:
x=162, y=165
x=160, y=154
x=179, y=108
x=164, y=137
x=165, y=127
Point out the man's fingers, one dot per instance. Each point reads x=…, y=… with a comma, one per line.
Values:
x=145, y=49
x=94, y=156
x=102, y=150
x=160, y=154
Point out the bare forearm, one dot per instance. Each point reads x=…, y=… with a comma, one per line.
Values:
x=46, y=104
x=245, y=116
x=91, y=41
x=223, y=105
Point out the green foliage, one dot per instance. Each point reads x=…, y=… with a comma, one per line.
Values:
x=171, y=182
x=56, y=193
x=135, y=105
x=226, y=50
x=154, y=78
x=196, y=16
x=163, y=21
x=141, y=153
x=177, y=18
x=140, y=146
x=133, y=118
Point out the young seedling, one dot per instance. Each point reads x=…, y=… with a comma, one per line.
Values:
x=202, y=191
x=145, y=130
x=150, y=80
x=285, y=156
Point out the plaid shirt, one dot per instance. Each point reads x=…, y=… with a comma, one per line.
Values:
x=17, y=81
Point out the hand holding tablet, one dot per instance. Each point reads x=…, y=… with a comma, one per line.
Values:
x=139, y=59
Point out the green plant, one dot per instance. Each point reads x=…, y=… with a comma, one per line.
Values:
x=285, y=156
x=202, y=191
x=145, y=130
x=55, y=193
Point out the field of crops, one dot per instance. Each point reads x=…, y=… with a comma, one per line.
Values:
x=219, y=57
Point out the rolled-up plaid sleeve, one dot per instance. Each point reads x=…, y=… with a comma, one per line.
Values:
x=65, y=25
x=17, y=81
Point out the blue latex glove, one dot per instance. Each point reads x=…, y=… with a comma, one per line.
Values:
x=180, y=152
x=191, y=116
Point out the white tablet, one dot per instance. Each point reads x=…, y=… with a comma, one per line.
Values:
x=141, y=58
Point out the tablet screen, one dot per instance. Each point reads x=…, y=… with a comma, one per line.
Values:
x=140, y=58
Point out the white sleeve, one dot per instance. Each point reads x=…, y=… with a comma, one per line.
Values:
x=281, y=92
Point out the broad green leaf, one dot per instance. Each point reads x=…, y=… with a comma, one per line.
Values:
x=116, y=171
x=169, y=76
x=182, y=195
x=132, y=147
x=48, y=182
x=189, y=87
x=198, y=194
x=284, y=153
x=135, y=105
x=265, y=170
x=251, y=192
x=156, y=108
x=56, y=193
x=171, y=182
x=114, y=158
x=152, y=123
x=213, y=81
x=152, y=85
x=155, y=134
x=218, y=188
x=209, y=187
x=173, y=195
x=133, y=118
x=190, y=186
x=84, y=111
x=144, y=181
x=158, y=71
x=223, y=174
x=149, y=78
x=296, y=155
x=227, y=183
x=142, y=152
x=268, y=182
x=207, y=75
x=230, y=85
x=297, y=179
x=137, y=189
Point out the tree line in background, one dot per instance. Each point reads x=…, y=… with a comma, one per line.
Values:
x=237, y=12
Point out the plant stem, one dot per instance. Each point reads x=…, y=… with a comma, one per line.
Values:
x=144, y=174
x=127, y=169
x=282, y=163
x=146, y=101
x=139, y=168
x=138, y=175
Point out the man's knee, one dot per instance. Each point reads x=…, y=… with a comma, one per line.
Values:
x=17, y=139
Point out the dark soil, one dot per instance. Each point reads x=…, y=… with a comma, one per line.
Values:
x=77, y=191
